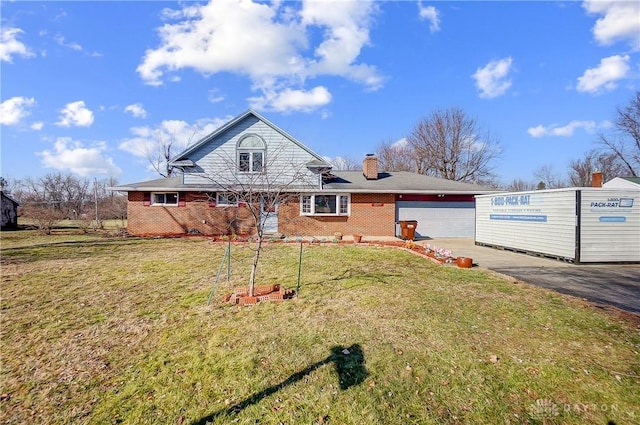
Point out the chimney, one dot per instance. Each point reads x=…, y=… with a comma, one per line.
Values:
x=596, y=179
x=370, y=167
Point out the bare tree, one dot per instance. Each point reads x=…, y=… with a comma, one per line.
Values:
x=345, y=163
x=452, y=146
x=398, y=156
x=548, y=178
x=519, y=185
x=162, y=151
x=58, y=196
x=608, y=163
x=624, y=143
x=272, y=182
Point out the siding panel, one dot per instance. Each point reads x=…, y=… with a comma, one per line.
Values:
x=610, y=226
x=542, y=222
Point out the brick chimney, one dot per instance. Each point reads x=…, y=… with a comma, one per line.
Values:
x=596, y=179
x=370, y=167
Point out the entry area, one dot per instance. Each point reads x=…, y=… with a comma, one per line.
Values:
x=438, y=216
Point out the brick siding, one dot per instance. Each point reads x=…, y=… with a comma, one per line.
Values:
x=371, y=214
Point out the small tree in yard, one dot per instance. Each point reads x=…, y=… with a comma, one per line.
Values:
x=260, y=185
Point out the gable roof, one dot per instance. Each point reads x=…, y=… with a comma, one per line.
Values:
x=623, y=182
x=9, y=198
x=184, y=155
x=400, y=182
x=635, y=180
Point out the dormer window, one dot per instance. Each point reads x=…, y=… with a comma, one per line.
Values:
x=251, y=154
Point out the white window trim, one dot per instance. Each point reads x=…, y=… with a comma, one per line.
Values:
x=164, y=204
x=224, y=204
x=313, y=205
x=251, y=151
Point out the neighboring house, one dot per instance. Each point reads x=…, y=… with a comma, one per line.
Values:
x=623, y=183
x=251, y=155
x=9, y=207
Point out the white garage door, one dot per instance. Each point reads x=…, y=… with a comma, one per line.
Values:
x=439, y=219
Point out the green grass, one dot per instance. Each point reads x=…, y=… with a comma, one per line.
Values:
x=118, y=331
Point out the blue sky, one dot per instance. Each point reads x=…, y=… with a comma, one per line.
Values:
x=87, y=86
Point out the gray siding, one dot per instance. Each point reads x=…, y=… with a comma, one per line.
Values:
x=284, y=159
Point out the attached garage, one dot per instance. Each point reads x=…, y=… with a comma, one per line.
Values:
x=438, y=216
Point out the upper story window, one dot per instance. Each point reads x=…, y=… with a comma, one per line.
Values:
x=251, y=150
x=170, y=198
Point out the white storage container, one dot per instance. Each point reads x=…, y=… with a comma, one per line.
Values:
x=581, y=225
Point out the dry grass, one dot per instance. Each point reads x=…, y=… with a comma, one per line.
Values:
x=118, y=331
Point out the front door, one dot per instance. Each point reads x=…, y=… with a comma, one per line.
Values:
x=269, y=215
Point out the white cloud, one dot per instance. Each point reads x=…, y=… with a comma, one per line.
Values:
x=293, y=100
x=13, y=110
x=70, y=45
x=401, y=143
x=605, y=76
x=74, y=46
x=268, y=43
x=9, y=45
x=619, y=22
x=73, y=156
x=75, y=114
x=37, y=126
x=346, y=30
x=215, y=96
x=430, y=14
x=136, y=110
x=146, y=139
x=564, y=131
x=492, y=80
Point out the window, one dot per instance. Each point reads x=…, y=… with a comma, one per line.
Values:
x=324, y=205
x=164, y=198
x=251, y=154
x=226, y=199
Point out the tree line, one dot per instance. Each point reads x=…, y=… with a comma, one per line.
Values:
x=452, y=145
x=57, y=196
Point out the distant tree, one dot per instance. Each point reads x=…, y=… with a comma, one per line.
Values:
x=163, y=150
x=58, y=196
x=608, y=163
x=624, y=142
x=450, y=145
x=519, y=185
x=548, y=178
x=345, y=163
x=398, y=156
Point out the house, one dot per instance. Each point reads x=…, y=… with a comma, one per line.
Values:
x=9, y=207
x=251, y=162
x=623, y=183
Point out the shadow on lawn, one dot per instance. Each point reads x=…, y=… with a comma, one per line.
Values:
x=348, y=363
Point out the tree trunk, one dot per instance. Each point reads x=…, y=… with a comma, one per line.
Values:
x=254, y=267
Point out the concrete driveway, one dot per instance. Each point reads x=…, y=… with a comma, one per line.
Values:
x=616, y=285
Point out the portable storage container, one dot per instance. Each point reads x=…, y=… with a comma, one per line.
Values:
x=581, y=225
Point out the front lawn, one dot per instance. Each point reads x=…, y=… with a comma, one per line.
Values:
x=118, y=331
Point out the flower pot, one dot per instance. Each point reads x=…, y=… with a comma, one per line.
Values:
x=464, y=262
x=357, y=238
